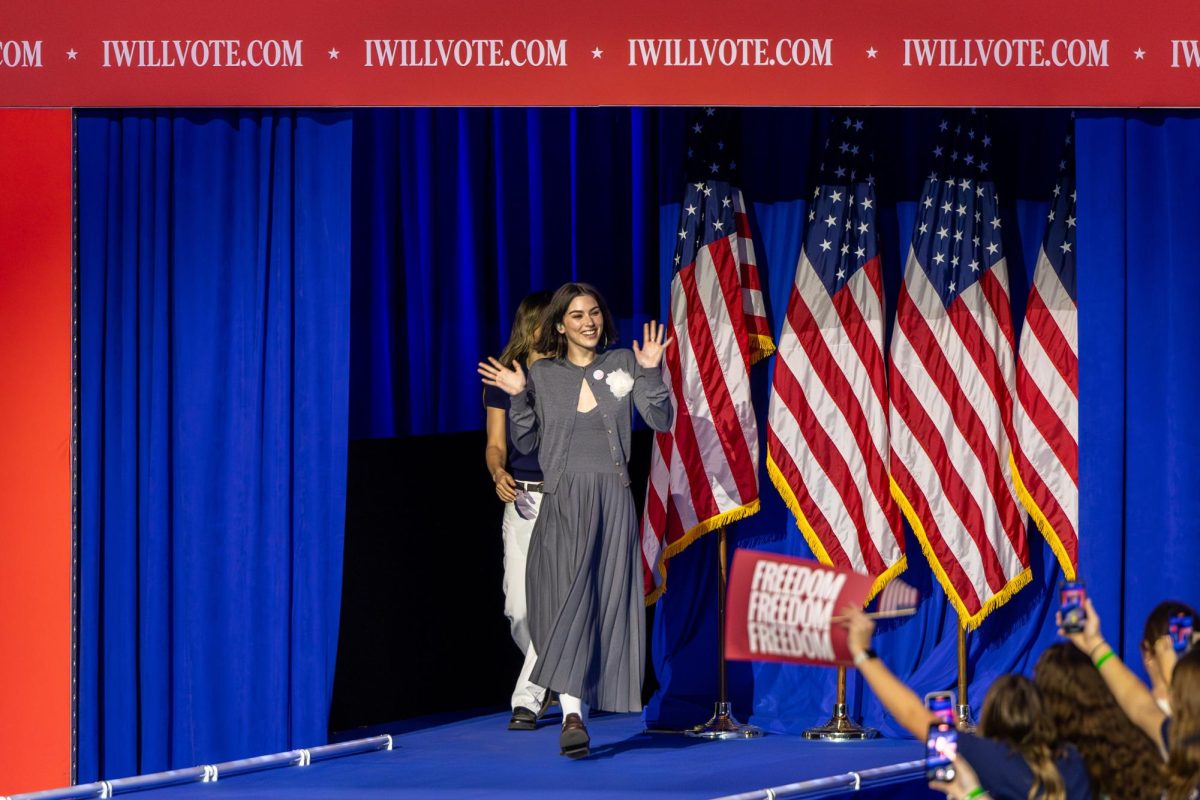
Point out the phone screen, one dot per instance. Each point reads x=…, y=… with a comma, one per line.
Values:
x=1071, y=597
x=942, y=705
x=1181, y=632
x=940, y=750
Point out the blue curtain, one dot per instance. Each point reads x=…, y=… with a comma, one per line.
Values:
x=214, y=367
x=1139, y=298
x=458, y=213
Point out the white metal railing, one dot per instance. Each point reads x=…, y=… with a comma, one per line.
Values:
x=208, y=773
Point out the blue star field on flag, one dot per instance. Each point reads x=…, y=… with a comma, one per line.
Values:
x=841, y=235
x=958, y=234
x=1060, y=234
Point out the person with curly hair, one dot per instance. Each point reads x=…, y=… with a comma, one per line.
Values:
x=1120, y=759
x=1179, y=734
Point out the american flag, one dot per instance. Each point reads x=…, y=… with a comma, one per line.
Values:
x=827, y=435
x=703, y=473
x=1047, y=416
x=897, y=598
x=952, y=385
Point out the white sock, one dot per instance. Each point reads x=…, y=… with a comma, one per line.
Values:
x=573, y=705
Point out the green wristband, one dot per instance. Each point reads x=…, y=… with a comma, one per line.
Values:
x=978, y=791
x=1100, y=661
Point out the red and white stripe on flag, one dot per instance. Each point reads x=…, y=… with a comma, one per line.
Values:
x=758, y=330
x=952, y=393
x=827, y=436
x=1047, y=417
x=703, y=473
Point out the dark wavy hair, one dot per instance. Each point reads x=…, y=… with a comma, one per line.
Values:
x=1158, y=624
x=1183, y=750
x=553, y=343
x=1014, y=713
x=1120, y=759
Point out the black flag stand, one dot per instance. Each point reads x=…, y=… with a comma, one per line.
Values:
x=723, y=725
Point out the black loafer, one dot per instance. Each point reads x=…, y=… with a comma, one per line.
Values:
x=573, y=742
x=523, y=720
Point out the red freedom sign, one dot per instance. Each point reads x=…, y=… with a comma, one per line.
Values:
x=780, y=608
x=619, y=52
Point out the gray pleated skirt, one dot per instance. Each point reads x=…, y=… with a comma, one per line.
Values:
x=583, y=584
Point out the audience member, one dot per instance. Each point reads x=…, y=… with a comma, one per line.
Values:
x=1179, y=734
x=1158, y=651
x=1121, y=760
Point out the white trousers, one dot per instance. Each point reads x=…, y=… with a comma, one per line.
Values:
x=516, y=530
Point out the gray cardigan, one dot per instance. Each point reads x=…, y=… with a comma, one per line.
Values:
x=543, y=415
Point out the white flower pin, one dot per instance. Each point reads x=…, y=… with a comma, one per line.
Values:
x=620, y=382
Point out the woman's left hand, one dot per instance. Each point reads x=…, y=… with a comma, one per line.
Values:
x=1165, y=657
x=650, y=355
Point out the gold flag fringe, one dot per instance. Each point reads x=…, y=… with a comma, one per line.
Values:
x=969, y=621
x=810, y=536
x=1043, y=524
x=694, y=533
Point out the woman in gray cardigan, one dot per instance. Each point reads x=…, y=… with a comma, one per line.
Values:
x=583, y=575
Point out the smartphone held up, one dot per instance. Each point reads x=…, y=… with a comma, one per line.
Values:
x=942, y=705
x=1071, y=606
x=1181, y=630
x=941, y=748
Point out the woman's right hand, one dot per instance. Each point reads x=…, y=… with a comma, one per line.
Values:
x=859, y=629
x=506, y=487
x=511, y=381
x=965, y=780
x=1089, y=638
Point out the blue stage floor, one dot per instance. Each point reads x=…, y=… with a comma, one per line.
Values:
x=477, y=757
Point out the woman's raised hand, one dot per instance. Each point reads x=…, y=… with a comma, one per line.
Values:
x=650, y=355
x=511, y=381
x=859, y=629
x=965, y=781
x=1090, y=637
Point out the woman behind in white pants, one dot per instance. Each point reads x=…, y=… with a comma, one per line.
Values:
x=518, y=480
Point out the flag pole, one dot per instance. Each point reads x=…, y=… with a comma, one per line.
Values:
x=722, y=724
x=963, y=711
x=840, y=728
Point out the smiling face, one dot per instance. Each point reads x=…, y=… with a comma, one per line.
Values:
x=583, y=324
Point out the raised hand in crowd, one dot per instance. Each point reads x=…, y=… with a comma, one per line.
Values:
x=965, y=784
x=1130, y=693
x=908, y=709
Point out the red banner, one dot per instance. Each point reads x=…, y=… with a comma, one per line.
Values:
x=780, y=608
x=621, y=52
x=35, y=463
